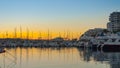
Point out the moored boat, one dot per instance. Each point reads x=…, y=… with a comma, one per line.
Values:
x=2, y=50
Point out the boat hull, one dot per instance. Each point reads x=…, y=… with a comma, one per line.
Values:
x=111, y=47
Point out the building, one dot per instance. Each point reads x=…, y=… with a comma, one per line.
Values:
x=114, y=24
x=94, y=32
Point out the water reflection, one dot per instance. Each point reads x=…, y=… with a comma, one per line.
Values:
x=58, y=58
x=111, y=58
x=9, y=60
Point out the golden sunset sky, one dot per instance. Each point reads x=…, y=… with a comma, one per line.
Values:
x=60, y=17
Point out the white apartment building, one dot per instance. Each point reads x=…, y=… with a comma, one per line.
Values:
x=114, y=24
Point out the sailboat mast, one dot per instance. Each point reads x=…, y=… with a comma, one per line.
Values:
x=59, y=34
x=32, y=34
x=64, y=35
x=67, y=35
x=40, y=36
x=48, y=35
x=27, y=33
x=72, y=35
x=15, y=34
x=6, y=34
x=20, y=32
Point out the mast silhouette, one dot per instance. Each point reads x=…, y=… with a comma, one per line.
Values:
x=48, y=34
x=40, y=37
x=6, y=34
x=59, y=34
x=20, y=32
x=27, y=34
x=15, y=34
x=32, y=35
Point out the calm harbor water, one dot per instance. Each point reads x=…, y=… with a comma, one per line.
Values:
x=58, y=58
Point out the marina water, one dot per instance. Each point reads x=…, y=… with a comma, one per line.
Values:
x=58, y=58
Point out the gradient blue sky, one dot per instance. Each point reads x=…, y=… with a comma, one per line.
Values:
x=56, y=15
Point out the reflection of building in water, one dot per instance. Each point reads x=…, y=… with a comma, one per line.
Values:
x=115, y=65
x=86, y=54
x=113, y=59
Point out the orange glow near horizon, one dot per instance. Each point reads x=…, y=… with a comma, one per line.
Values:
x=40, y=35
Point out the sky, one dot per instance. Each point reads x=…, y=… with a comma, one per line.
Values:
x=57, y=16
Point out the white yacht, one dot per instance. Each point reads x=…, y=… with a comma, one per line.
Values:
x=113, y=42
x=109, y=42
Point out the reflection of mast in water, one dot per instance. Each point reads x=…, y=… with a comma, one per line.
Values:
x=20, y=57
x=16, y=54
x=40, y=50
x=32, y=52
x=4, y=60
x=48, y=53
x=59, y=54
x=10, y=57
x=64, y=54
x=72, y=55
x=78, y=57
x=67, y=54
x=27, y=55
x=51, y=55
